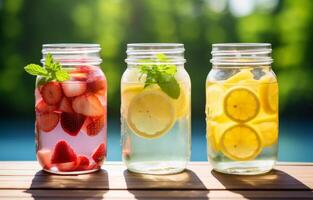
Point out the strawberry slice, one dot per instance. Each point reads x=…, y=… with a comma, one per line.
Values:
x=99, y=154
x=94, y=125
x=51, y=93
x=66, y=105
x=93, y=166
x=44, y=158
x=79, y=76
x=82, y=163
x=66, y=167
x=43, y=107
x=47, y=121
x=98, y=83
x=63, y=153
x=72, y=122
x=88, y=105
x=74, y=88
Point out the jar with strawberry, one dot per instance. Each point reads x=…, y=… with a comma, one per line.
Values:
x=70, y=108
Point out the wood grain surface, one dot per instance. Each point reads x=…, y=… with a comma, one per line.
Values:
x=26, y=180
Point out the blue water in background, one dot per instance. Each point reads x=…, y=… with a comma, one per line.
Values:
x=295, y=141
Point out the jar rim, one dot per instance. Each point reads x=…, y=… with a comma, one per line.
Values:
x=241, y=54
x=73, y=53
x=61, y=48
x=241, y=45
x=136, y=52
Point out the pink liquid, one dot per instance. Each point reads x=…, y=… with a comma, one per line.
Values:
x=71, y=121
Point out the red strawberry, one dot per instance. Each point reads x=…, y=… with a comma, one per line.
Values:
x=93, y=166
x=88, y=105
x=74, y=88
x=94, y=125
x=66, y=167
x=82, y=163
x=72, y=122
x=85, y=68
x=51, y=93
x=63, y=153
x=66, y=105
x=98, y=83
x=47, y=121
x=43, y=107
x=44, y=158
x=79, y=76
x=99, y=154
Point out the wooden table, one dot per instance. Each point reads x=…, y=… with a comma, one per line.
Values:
x=25, y=180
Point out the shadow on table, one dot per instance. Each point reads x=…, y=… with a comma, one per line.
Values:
x=184, y=185
x=274, y=180
x=83, y=186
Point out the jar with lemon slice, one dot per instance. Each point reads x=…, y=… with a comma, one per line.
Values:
x=155, y=109
x=242, y=109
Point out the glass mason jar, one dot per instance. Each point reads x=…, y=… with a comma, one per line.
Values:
x=155, y=109
x=242, y=109
x=71, y=115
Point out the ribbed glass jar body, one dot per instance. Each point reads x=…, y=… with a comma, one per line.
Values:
x=155, y=109
x=71, y=115
x=242, y=109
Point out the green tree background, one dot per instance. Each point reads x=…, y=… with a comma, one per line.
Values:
x=27, y=24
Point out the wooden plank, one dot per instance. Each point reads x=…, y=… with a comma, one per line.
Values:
x=24, y=175
x=155, y=194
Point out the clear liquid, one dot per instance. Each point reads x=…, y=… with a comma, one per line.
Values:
x=264, y=123
x=164, y=155
x=81, y=129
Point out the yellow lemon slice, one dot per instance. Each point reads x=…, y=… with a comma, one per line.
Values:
x=269, y=97
x=211, y=135
x=243, y=75
x=127, y=94
x=151, y=114
x=268, y=128
x=182, y=103
x=214, y=96
x=241, y=142
x=269, y=132
x=241, y=104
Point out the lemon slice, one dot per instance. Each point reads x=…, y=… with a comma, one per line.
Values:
x=269, y=132
x=269, y=97
x=214, y=96
x=241, y=104
x=243, y=75
x=182, y=103
x=268, y=128
x=241, y=142
x=151, y=114
x=127, y=94
x=211, y=135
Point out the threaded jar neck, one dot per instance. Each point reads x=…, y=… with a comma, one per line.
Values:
x=254, y=54
x=148, y=53
x=73, y=53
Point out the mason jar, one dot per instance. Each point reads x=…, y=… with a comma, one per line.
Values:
x=155, y=109
x=71, y=116
x=242, y=109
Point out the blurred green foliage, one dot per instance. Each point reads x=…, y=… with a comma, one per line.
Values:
x=27, y=24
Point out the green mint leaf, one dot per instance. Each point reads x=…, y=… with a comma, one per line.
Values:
x=52, y=71
x=163, y=75
x=169, y=85
x=161, y=57
x=48, y=61
x=62, y=75
x=36, y=70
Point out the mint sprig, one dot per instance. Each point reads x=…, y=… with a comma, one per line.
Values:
x=52, y=70
x=162, y=75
